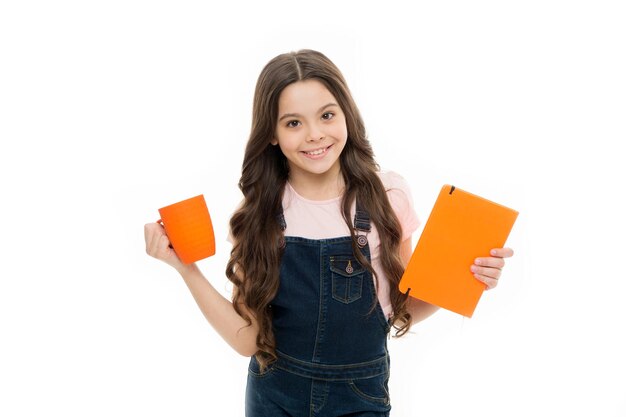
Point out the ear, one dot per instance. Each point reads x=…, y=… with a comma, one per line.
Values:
x=274, y=141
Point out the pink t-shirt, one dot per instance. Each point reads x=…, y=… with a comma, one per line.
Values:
x=314, y=219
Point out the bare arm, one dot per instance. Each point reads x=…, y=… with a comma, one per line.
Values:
x=418, y=309
x=220, y=313
x=218, y=310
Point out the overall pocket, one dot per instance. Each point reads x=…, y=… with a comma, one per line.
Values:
x=373, y=389
x=347, y=278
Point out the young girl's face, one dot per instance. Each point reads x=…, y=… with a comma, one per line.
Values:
x=311, y=129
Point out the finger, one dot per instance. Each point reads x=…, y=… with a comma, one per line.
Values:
x=154, y=234
x=490, y=283
x=148, y=232
x=502, y=252
x=493, y=273
x=490, y=262
x=163, y=245
x=155, y=240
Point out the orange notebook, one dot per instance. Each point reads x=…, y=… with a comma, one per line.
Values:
x=461, y=227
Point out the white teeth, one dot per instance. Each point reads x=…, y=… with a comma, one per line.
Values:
x=317, y=152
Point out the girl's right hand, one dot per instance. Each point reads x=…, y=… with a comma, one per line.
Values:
x=158, y=246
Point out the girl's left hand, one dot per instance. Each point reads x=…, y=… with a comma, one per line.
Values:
x=488, y=270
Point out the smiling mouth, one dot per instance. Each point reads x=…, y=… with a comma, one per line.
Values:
x=317, y=152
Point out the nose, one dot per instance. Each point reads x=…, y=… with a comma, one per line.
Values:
x=315, y=134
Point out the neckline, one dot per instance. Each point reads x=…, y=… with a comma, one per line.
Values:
x=309, y=201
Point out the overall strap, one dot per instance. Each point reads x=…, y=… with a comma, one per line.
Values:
x=362, y=224
x=281, y=219
x=362, y=219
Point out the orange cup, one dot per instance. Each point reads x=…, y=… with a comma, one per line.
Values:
x=189, y=229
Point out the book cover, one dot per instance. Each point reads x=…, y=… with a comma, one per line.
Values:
x=461, y=227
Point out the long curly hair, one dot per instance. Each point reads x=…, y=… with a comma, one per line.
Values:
x=254, y=263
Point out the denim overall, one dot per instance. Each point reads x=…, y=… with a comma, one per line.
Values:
x=331, y=346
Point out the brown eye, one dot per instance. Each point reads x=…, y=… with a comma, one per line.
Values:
x=293, y=123
x=328, y=115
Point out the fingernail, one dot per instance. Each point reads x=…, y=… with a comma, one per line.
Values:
x=478, y=261
x=494, y=252
x=473, y=268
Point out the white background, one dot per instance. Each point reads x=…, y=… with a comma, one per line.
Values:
x=110, y=110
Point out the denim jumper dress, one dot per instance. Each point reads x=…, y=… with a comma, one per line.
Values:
x=331, y=347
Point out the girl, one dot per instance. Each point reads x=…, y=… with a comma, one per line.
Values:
x=320, y=243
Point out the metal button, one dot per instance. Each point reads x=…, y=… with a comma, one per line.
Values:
x=349, y=268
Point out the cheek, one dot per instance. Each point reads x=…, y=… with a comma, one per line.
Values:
x=289, y=142
x=340, y=131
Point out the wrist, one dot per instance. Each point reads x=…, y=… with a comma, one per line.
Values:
x=187, y=269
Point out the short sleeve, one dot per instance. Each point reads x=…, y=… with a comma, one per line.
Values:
x=401, y=200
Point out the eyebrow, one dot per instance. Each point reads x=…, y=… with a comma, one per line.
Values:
x=324, y=107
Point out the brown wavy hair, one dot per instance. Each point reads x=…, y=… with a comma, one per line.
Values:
x=254, y=263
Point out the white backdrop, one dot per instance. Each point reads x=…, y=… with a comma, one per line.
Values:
x=110, y=110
